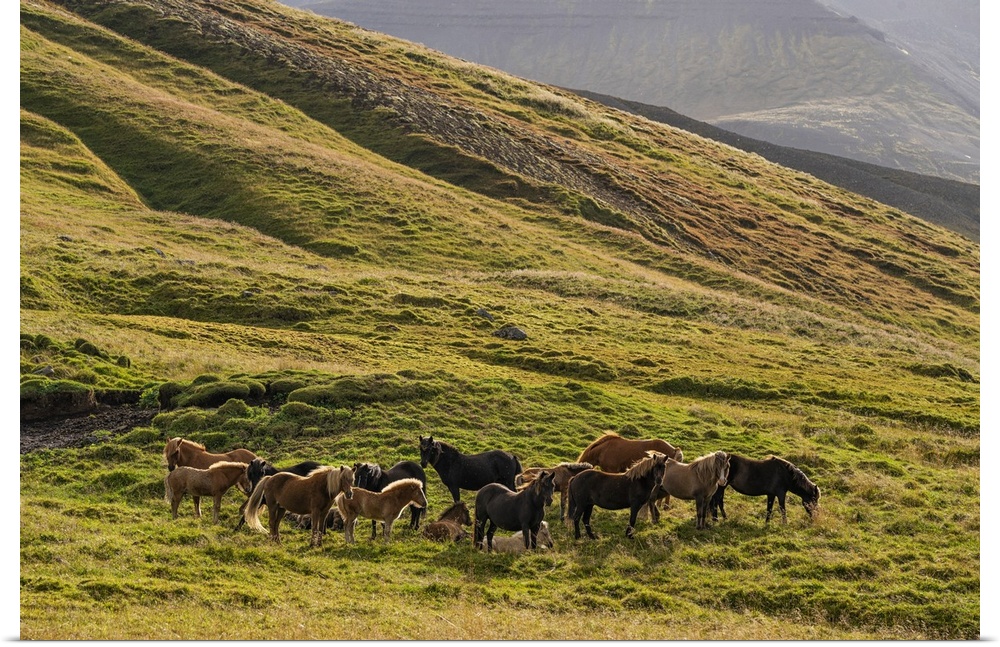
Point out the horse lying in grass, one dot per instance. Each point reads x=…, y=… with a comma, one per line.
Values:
x=697, y=480
x=497, y=506
x=385, y=506
x=213, y=481
x=631, y=489
x=287, y=492
x=515, y=543
x=448, y=527
x=563, y=471
x=773, y=477
x=179, y=452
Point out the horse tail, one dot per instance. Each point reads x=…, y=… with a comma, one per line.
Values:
x=251, y=513
x=168, y=492
x=570, y=503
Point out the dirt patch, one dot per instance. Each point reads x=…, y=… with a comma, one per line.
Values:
x=79, y=431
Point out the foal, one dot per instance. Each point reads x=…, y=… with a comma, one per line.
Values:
x=384, y=506
x=213, y=481
x=448, y=527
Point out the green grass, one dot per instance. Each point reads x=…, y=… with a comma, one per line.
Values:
x=306, y=273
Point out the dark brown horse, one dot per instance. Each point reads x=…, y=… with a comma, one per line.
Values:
x=497, y=506
x=460, y=471
x=287, y=492
x=631, y=489
x=614, y=454
x=773, y=477
x=448, y=527
x=186, y=452
x=563, y=471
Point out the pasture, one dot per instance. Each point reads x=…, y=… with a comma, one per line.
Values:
x=893, y=552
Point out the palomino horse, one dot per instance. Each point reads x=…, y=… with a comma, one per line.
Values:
x=213, y=481
x=448, y=527
x=259, y=468
x=612, y=454
x=371, y=476
x=384, y=506
x=186, y=452
x=460, y=471
x=563, y=471
x=697, y=480
x=501, y=507
x=773, y=477
x=286, y=492
x=632, y=489
x=515, y=543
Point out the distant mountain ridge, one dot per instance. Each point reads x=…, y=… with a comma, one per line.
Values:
x=792, y=72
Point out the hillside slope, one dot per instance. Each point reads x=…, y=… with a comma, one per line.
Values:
x=280, y=231
x=791, y=72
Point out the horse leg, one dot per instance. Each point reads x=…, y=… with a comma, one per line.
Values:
x=387, y=529
x=530, y=538
x=175, y=503
x=781, y=506
x=216, y=504
x=587, y=511
x=633, y=514
x=490, y=531
x=455, y=493
x=274, y=515
x=414, y=517
x=770, y=506
x=197, y=506
x=562, y=505
x=701, y=505
x=375, y=528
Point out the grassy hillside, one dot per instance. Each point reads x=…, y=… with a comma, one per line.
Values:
x=309, y=233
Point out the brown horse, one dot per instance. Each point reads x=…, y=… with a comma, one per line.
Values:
x=563, y=471
x=213, y=481
x=180, y=452
x=385, y=506
x=448, y=527
x=697, y=480
x=631, y=489
x=287, y=492
x=612, y=454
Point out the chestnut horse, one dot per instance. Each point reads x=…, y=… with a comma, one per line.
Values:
x=448, y=527
x=179, y=452
x=286, y=492
x=385, y=506
x=213, y=481
x=613, y=454
x=563, y=471
x=697, y=480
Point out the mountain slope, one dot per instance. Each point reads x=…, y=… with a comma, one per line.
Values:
x=791, y=72
x=279, y=231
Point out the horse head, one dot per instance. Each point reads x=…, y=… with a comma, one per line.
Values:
x=811, y=502
x=345, y=481
x=544, y=537
x=419, y=499
x=722, y=465
x=366, y=475
x=256, y=470
x=430, y=451
x=544, y=486
x=171, y=453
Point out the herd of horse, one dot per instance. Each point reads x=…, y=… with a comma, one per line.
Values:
x=612, y=473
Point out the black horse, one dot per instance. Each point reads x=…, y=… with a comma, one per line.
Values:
x=371, y=476
x=258, y=468
x=459, y=471
x=771, y=476
x=503, y=508
x=632, y=489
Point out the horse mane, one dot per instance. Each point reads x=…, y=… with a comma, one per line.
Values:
x=185, y=441
x=224, y=464
x=402, y=483
x=643, y=466
x=576, y=466
x=703, y=465
x=321, y=468
x=799, y=479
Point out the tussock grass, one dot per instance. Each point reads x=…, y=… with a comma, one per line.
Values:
x=310, y=258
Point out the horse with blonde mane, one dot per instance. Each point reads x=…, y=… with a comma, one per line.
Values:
x=385, y=506
x=213, y=481
x=563, y=471
x=181, y=452
x=448, y=527
x=287, y=492
x=631, y=489
x=697, y=480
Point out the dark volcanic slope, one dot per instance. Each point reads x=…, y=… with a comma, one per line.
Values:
x=792, y=72
x=948, y=203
